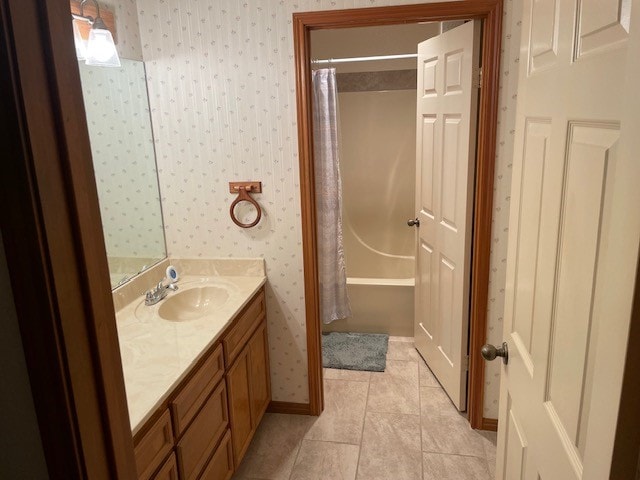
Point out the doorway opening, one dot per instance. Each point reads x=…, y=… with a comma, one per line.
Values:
x=480, y=203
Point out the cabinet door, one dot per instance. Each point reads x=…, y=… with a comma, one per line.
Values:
x=220, y=467
x=169, y=470
x=260, y=380
x=240, y=404
x=154, y=446
x=199, y=440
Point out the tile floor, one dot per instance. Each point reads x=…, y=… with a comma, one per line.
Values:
x=393, y=425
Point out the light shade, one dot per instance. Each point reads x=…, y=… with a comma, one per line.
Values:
x=81, y=45
x=101, y=50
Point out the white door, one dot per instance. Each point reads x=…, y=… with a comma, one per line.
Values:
x=446, y=148
x=573, y=239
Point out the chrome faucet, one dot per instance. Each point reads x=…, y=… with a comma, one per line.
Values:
x=158, y=293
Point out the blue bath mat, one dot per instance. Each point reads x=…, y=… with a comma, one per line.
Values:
x=355, y=351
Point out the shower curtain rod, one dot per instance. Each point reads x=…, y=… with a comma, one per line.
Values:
x=364, y=59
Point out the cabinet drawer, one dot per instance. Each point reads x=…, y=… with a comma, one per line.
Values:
x=220, y=467
x=235, y=340
x=154, y=447
x=188, y=402
x=169, y=470
x=203, y=434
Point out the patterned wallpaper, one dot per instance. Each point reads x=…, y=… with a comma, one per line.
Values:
x=222, y=94
x=119, y=126
x=501, y=195
x=128, y=30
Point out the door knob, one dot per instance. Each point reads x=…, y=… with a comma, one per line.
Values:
x=489, y=352
x=413, y=222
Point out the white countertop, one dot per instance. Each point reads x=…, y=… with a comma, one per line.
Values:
x=157, y=353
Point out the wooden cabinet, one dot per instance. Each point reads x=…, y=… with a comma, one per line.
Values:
x=203, y=429
x=220, y=467
x=249, y=391
x=240, y=333
x=240, y=405
x=198, y=442
x=190, y=399
x=154, y=446
x=168, y=471
x=259, y=378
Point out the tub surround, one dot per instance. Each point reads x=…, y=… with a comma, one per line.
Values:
x=158, y=353
x=379, y=305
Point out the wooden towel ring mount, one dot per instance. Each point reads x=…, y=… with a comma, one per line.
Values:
x=243, y=189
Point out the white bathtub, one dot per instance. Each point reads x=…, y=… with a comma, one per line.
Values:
x=379, y=305
x=377, y=148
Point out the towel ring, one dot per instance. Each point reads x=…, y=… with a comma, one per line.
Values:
x=243, y=189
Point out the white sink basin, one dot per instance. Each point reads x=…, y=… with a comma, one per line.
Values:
x=193, y=303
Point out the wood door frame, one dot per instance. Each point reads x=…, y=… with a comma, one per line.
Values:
x=55, y=248
x=491, y=12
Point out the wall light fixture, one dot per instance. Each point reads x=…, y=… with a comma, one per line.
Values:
x=100, y=49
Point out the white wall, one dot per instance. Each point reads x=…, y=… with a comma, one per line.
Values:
x=222, y=89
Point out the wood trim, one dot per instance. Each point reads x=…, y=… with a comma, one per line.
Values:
x=491, y=12
x=483, y=209
x=302, y=53
x=626, y=447
x=490, y=424
x=55, y=250
x=290, y=408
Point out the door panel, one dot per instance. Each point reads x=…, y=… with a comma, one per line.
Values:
x=425, y=257
x=602, y=24
x=449, y=191
x=516, y=454
x=238, y=377
x=543, y=38
x=445, y=151
x=428, y=138
x=569, y=385
x=573, y=243
x=533, y=167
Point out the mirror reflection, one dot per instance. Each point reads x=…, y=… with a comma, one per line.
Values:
x=117, y=108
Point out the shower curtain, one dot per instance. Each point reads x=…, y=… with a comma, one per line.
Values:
x=334, y=303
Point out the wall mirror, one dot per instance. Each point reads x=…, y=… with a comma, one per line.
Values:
x=117, y=107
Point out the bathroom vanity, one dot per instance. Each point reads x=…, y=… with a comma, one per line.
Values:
x=196, y=370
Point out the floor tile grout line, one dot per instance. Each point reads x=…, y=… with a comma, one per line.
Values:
x=486, y=461
x=434, y=452
x=420, y=420
x=330, y=441
x=295, y=460
x=364, y=419
x=486, y=457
